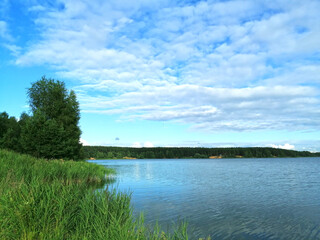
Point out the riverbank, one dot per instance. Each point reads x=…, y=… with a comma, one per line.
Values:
x=56, y=199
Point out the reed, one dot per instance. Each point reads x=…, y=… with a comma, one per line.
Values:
x=56, y=199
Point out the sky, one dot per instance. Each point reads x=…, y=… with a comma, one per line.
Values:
x=172, y=73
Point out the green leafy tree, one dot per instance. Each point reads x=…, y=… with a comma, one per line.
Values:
x=4, y=117
x=52, y=131
x=9, y=132
x=100, y=155
x=10, y=140
x=110, y=155
x=43, y=138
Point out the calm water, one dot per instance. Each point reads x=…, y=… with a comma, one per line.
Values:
x=227, y=198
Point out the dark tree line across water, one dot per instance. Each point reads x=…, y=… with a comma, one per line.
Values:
x=101, y=152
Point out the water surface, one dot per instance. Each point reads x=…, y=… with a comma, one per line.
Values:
x=227, y=198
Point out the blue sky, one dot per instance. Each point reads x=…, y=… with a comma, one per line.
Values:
x=172, y=73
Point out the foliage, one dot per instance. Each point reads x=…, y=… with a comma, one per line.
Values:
x=55, y=121
x=9, y=132
x=43, y=137
x=43, y=199
x=101, y=152
x=52, y=130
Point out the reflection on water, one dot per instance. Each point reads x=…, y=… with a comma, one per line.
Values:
x=227, y=198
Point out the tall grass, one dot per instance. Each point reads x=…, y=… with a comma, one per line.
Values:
x=42, y=199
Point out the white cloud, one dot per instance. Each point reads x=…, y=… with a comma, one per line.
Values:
x=37, y=8
x=228, y=65
x=14, y=49
x=145, y=144
x=4, y=31
x=84, y=142
x=214, y=109
x=148, y=145
x=285, y=146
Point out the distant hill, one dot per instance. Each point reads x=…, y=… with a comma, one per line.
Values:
x=102, y=152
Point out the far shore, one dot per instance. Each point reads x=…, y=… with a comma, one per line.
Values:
x=131, y=158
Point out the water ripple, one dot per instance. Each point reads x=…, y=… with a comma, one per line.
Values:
x=227, y=198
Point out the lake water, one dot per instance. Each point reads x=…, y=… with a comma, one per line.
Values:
x=226, y=198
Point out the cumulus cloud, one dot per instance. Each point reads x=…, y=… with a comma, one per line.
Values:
x=284, y=146
x=216, y=65
x=148, y=145
x=84, y=142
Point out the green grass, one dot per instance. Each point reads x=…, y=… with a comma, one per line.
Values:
x=56, y=199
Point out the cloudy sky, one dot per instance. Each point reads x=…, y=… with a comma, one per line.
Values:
x=172, y=73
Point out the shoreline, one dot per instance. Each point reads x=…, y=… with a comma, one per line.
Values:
x=56, y=199
x=194, y=158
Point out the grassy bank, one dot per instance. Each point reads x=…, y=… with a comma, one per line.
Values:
x=56, y=199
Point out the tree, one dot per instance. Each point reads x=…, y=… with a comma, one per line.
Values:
x=9, y=132
x=43, y=138
x=110, y=155
x=4, y=118
x=52, y=131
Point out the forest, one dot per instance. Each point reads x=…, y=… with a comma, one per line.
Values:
x=102, y=152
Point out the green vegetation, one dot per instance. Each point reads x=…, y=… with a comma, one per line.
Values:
x=52, y=130
x=57, y=199
x=9, y=132
x=100, y=152
x=42, y=199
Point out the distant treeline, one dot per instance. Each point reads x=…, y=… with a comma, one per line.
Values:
x=101, y=152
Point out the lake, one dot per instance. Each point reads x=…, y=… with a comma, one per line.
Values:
x=276, y=198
